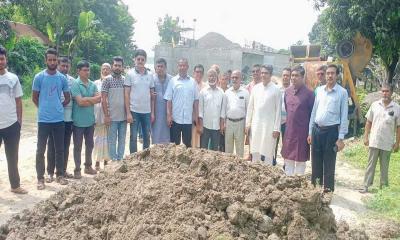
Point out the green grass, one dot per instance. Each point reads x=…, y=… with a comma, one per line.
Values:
x=385, y=201
x=29, y=111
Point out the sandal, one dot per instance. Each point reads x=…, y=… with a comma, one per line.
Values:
x=40, y=185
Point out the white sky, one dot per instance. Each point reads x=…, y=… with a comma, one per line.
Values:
x=275, y=23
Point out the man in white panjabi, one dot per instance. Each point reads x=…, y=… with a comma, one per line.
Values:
x=264, y=117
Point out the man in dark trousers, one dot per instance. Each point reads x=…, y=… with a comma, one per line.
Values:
x=327, y=128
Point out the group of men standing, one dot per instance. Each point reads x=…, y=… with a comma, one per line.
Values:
x=219, y=114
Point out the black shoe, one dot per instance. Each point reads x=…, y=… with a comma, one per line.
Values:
x=364, y=190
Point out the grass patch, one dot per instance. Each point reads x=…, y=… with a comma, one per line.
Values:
x=386, y=201
x=29, y=111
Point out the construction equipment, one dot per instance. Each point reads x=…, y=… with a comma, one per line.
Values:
x=354, y=55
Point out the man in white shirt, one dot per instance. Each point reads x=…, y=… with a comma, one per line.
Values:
x=211, y=112
x=237, y=99
x=182, y=98
x=382, y=136
x=10, y=120
x=139, y=100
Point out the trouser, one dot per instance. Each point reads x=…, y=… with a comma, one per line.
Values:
x=234, y=136
x=51, y=153
x=11, y=135
x=212, y=136
x=323, y=156
x=78, y=134
x=57, y=132
x=283, y=128
x=222, y=143
x=384, y=158
x=117, y=130
x=294, y=167
x=181, y=130
x=144, y=120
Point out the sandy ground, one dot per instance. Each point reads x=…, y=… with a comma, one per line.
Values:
x=346, y=203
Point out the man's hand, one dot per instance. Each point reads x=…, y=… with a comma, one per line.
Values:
x=366, y=141
x=169, y=120
x=129, y=118
x=396, y=147
x=107, y=120
x=200, y=129
x=247, y=131
x=275, y=134
x=309, y=139
x=340, y=145
x=152, y=118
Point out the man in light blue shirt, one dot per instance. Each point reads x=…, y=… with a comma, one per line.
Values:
x=327, y=128
x=47, y=87
x=182, y=104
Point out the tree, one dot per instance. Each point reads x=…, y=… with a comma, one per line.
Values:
x=319, y=35
x=169, y=29
x=378, y=20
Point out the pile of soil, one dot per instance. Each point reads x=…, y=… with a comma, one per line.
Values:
x=170, y=192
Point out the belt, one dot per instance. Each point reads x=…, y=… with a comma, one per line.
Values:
x=236, y=119
x=326, y=127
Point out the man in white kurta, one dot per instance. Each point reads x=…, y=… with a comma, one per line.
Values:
x=264, y=117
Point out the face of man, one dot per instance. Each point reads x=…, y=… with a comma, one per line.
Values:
x=3, y=62
x=223, y=82
x=64, y=67
x=51, y=62
x=386, y=94
x=117, y=67
x=140, y=61
x=297, y=79
x=161, y=69
x=212, y=79
x=256, y=73
x=331, y=76
x=84, y=73
x=105, y=71
x=183, y=67
x=285, y=78
x=265, y=75
x=198, y=74
x=236, y=79
x=321, y=77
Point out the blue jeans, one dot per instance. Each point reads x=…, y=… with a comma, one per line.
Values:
x=117, y=130
x=144, y=119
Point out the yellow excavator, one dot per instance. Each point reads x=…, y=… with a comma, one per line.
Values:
x=354, y=55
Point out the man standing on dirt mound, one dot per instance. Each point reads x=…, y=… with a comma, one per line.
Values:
x=383, y=124
x=47, y=87
x=10, y=120
x=327, y=128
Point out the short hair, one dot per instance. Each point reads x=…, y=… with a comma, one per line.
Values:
x=269, y=68
x=334, y=66
x=118, y=59
x=212, y=70
x=299, y=69
x=199, y=66
x=51, y=51
x=3, y=51
x=63, y=59
x=140, y=52
x=82, y=64
x=184, y=60
x=161, y=61
x=106, y=65
x=257, y=65
x=229, y=71
x=388, y=86
x=287, y=69
x=322, y=68
x=216, y=68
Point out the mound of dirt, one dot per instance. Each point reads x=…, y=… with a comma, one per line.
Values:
x=170, y=192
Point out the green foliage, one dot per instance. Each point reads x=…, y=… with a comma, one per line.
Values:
x=378, y=20
x=319, y=35
x=169, y=29
x=95, y=71
x=384, y=201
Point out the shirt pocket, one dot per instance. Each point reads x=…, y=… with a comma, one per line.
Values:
x=333, y=106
